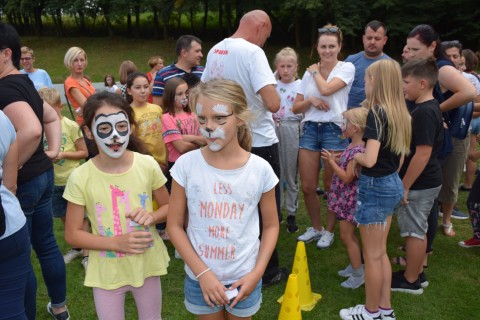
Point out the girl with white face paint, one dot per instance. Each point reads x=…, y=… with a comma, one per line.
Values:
x=179, y=125
x=225, y=282
x=116, y=188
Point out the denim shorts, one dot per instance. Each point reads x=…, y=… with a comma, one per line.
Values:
x=377, y=198
x=195, y=303
x=316, y=136
x=59, y=204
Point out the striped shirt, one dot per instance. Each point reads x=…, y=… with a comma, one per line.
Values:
x=169, y=72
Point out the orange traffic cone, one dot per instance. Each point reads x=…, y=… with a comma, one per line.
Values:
x=308, y=299
x=290, y=309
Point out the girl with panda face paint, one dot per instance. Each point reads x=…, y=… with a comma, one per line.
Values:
x=116, y=189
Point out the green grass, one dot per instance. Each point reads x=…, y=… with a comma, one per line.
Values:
x=105, y=55
x=453, y=275
x=453, y=271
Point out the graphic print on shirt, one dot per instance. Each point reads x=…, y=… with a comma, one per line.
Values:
x=221, y=214
x=99, y=209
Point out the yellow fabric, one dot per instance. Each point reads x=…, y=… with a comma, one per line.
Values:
x=70, y=133
x=149, y=129
x=107, y=197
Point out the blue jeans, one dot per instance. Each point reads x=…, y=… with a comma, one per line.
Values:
x=35, y=197
x=16, y=274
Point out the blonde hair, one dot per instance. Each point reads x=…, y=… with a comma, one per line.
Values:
x=153, y=61
x=230, y=92
x=24, y=50
x=387, y=94
x=357, y=117
x=72, y=54
x=51, y=96
x=286, y=52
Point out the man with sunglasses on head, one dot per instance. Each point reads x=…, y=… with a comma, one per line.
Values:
x=374, y=39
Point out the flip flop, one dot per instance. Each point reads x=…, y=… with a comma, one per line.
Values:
x=401, y=261
x=448, y=230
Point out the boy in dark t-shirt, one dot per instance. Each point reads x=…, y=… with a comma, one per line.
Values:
x=421, y=172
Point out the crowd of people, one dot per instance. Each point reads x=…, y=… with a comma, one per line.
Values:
x=209, y=156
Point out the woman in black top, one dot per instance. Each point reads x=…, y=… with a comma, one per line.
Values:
x=32, y=118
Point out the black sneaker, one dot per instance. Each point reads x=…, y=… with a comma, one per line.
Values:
x=61, y=316
x=279, y=277
x=291, y=224
x=423, y=280
x=400, y=284
x=319, y=191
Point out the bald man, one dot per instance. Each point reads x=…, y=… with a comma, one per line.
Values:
x=240, y=58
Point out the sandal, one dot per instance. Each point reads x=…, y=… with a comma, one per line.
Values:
x=448, y=230
x=401, y=261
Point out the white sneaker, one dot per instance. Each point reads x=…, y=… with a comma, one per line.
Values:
x=311, y=234
x=326, y=240
x=356, y=313
x=353, y=282
x=72, y=255
x=85, y=263
x=347, y=272
x=388, y=314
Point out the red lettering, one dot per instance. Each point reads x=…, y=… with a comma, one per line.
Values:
x=221, y=52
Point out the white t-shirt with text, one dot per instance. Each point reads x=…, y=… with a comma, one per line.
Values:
x=223, y=217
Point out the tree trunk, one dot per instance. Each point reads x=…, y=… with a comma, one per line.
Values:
x=137, y=19
x=298, y=38
x=192, y=16
x=129, y=23
x=81, y=18
x=37, y=14
x=155, y=22
x=220, y=19
x=228, y=9
x=205, y=18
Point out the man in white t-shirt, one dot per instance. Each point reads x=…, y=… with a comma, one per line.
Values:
x=240, y=58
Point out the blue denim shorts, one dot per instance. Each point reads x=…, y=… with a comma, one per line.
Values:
x=377, y=198
x=59, y=204
x=195, y=303
x=316, y=136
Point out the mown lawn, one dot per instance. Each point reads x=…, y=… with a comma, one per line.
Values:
x=453, y=273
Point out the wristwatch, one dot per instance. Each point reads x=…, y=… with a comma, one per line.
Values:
x=314, y=73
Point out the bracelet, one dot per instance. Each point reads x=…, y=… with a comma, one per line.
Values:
x=202, y=273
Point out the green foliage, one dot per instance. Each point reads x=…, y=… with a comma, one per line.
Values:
x=293, y=20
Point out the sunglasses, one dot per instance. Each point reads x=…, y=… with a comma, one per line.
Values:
x=451, y=44
x=329, y=30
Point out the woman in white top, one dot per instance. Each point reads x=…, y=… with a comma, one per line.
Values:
x=322, y=98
